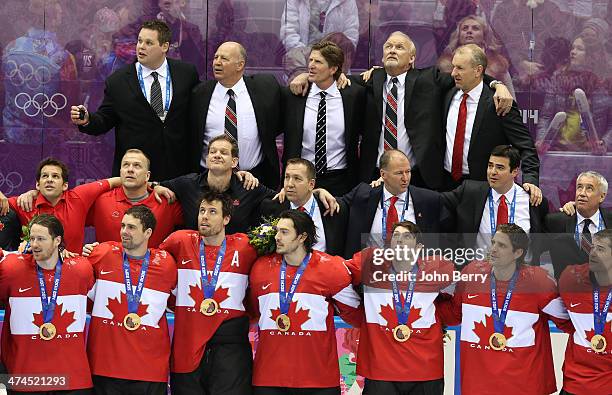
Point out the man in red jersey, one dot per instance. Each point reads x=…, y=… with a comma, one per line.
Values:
x=505, y=339
x=106, y=213
x=70, y=206
x=294, y=293
x=129, y=343
x=401, y=320
x=46, y=306
x=211, y=352
x=588, y=366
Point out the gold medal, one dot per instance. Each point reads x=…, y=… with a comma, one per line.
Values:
x=131, y=321
x=498, y=341
x=598, y=343
x=209, y=307
x=47, y=331
x=401, y=333
x=283, y=323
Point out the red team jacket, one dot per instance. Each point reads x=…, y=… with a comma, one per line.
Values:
x=23, y=351
x=525, y=366
x=422, y=355
x=306, y=355
x=114, y=351
x=192, y=329
x=108, y=210
x=584, y=370
x=71, y=210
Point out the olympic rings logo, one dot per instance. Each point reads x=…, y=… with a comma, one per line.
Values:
x=12, y=181
x=25, y=73
x=40, y=102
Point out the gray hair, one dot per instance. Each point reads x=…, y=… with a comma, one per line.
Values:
x=603, y=183
x=411, y=45
x=478, y=56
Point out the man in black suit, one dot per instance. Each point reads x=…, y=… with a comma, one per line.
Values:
x=473, y=129
x=299, y=183
x=371, y=211
x=246, y=108
x=478, y=207
x=147, y=104
x=324, y=126
x=565, y=241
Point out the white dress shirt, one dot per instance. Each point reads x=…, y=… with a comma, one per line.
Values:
x=521, y=214
x=451, y=125
x=403, y=142
x=320, y=245
x=377, y=228
x=249, y=145
x=147, y=78
x=593, y=227
x=334, y=122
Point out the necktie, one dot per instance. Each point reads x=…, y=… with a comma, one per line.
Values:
x=502, y=211
x=156, y=96
x=231, y=120
x=391, y=117
x=586, y=232
x=457, y=165
x=320, y=137
x=391, y=217
x=301, y=208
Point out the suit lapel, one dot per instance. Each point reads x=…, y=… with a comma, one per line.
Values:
x=347, y=104
x=570, y=224
x=373, y=202
x=378, y=81
x=483, y=194
x=485, y=99
x=174, y=77
x=418, y=206
x=257, y=106
x=325, y=220
x=411, y=78
x=301, y=109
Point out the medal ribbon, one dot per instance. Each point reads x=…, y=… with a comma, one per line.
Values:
x=403, y=310
x=48, y=306
x=287, y=297
x=312, y=207
x=499, y=319
x=492, y=210
x=210, y=284
x=144, y=91
x=133, y=298
x=577, y=232
x=600, y=317
x=384, y=212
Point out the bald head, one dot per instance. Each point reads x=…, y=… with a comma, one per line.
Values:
x=228, y=63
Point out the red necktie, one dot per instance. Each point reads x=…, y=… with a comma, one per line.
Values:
x=391, y=217
x=457, y=165
x=301, y=208
x=502, y=211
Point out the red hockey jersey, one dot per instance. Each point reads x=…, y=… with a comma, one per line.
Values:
x=305, y=355
x=192, y=329
x=525, y=365
x=23, y=351
x=114, y=351
x=584, y=370
x=422, y=355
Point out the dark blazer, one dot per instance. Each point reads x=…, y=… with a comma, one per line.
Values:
x=491, y=130
x=137, y=126
x=467, y=202
x=265, y=95
x=363, y=201
x=353, y=101
x=333, y=227
x=561, y=243
x=424, y=91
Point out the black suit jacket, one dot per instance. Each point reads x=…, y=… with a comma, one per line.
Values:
x=489, y=131
x=353, y=101
x=424, y=89
x=137, y=126
x=265, y=93
x=333, y=227
x=467, y=202
x=561, y=243
x=363, y=201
